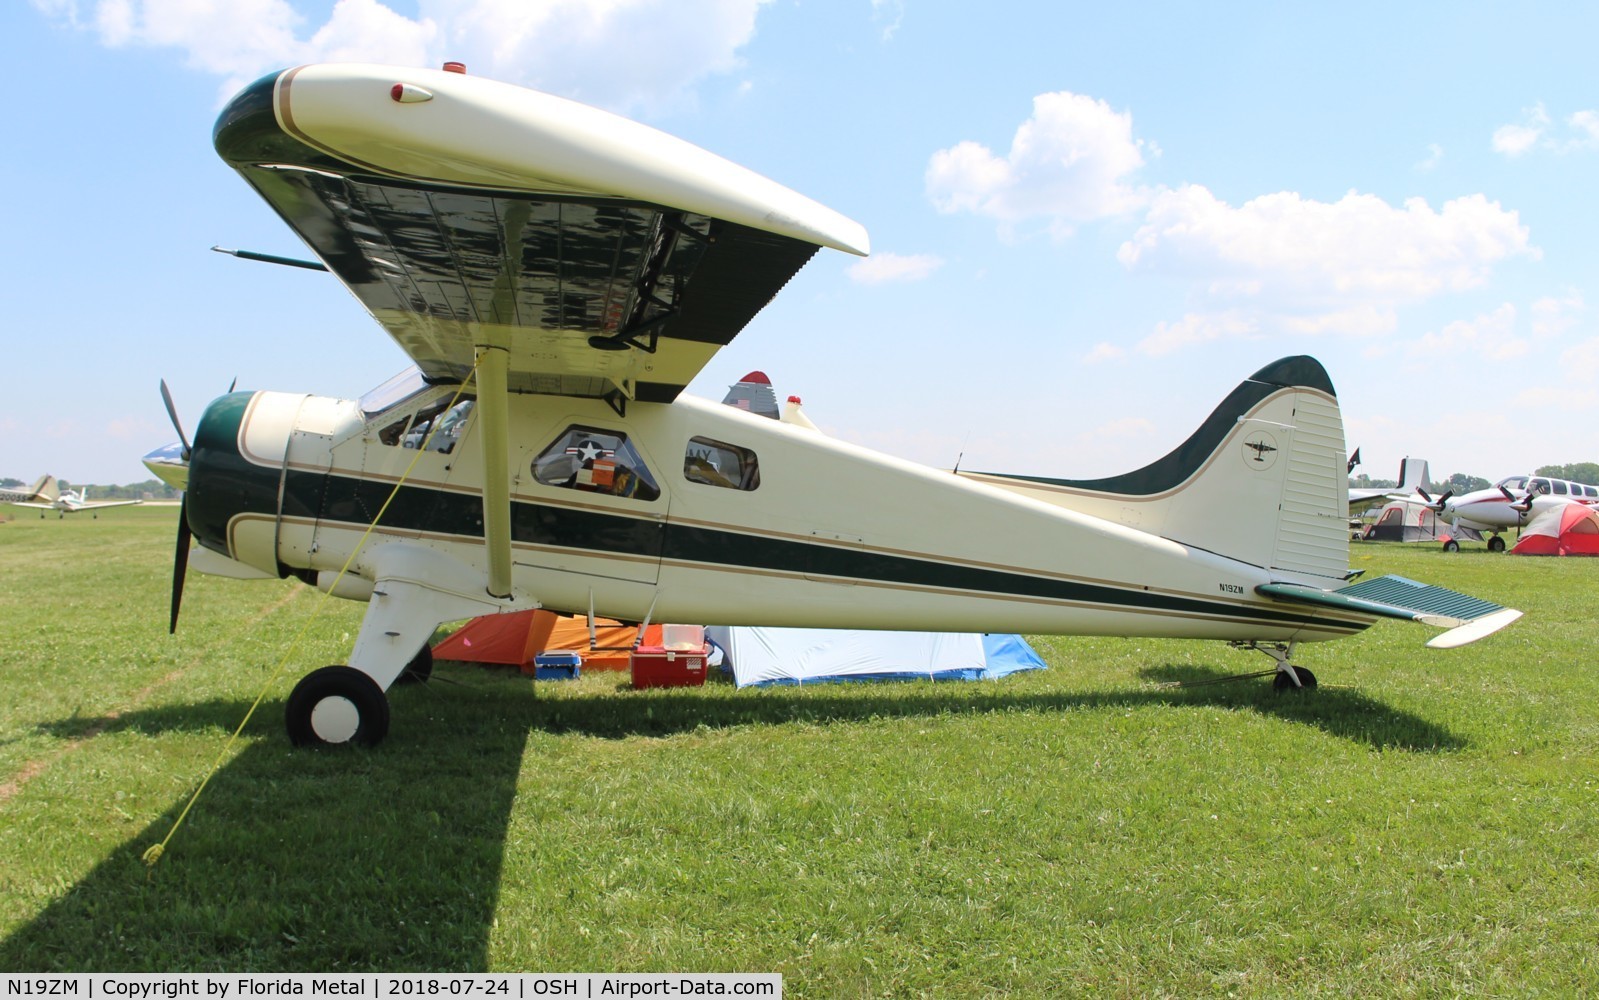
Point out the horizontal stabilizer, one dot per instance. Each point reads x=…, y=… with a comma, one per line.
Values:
x=1467, y=618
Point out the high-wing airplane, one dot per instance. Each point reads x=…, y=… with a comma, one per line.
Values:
x=44, y=488
x=70, y=501
x=1510, y=503
x=566, y=273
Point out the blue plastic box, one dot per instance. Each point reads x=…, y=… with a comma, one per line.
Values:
x=557, y=665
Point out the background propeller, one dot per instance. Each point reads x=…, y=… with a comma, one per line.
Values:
x=1438, y=504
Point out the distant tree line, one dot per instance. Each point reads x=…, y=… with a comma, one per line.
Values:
x=1582, y=472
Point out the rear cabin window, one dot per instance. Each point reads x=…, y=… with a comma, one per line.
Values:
x=438, y=425
x=591, y=460
x=717, y=463
x=1560, y=488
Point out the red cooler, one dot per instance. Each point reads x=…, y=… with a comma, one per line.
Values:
x=657, y=666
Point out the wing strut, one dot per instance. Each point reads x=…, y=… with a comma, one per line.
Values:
x=491, y=400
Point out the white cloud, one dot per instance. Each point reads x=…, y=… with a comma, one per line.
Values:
x=1102, y=352
x=1535, y=131
x=1491, y=335
x=1516, y=139
x=1586, y=125
x=882, y=268
x=1199, y=328
x=1068, y=163
x=1282, y=263
x=567, y=46
x=1553, y=316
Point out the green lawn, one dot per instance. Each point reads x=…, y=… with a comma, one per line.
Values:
x=1425, y=823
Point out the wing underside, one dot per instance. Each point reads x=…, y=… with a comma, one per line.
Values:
x=591, y=294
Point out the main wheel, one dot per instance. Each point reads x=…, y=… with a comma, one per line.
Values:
x=336, y=705
x=1496, y=544
x=419, y=669
x=1451, y=546
x=1282, y=682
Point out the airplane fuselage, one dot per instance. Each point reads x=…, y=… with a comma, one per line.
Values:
x=726, y=518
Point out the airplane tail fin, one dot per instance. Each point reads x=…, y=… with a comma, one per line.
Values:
x=47, y=489
x=1412, y=476
x=1264, y=480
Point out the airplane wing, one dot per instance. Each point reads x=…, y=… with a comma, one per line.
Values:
x=605, y=258
x=36, y=506
x=97, y=505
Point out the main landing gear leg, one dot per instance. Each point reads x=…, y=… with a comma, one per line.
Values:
x=347, y=704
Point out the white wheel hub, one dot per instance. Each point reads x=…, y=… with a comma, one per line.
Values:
x=335, y=719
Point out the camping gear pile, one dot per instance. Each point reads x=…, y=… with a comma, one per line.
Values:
x=539, y=642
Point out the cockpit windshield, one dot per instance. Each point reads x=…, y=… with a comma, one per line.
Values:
x=396, y=390
x=1512, y=483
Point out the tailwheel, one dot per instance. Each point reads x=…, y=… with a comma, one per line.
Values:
x=1496, y=544
x=419, y=669
x=1283, y=682
x=337, y=705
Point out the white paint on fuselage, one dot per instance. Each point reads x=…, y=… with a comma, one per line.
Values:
x=813, y=490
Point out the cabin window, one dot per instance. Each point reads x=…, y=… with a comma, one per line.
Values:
x=1560, y=488
x=412, y=430
x=717, y=463
x=1589, y=491
x=1539, y=487
x=591, y=460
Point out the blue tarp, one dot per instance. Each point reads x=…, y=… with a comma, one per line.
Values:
x=772, y=656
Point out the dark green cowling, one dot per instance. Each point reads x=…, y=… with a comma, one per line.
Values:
x=222, y=482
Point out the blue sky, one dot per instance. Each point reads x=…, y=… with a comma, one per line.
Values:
x=1088, y=223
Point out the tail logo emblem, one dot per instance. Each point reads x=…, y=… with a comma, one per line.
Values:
x=1260, y=451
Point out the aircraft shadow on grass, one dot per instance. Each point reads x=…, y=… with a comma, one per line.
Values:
x=295, y=868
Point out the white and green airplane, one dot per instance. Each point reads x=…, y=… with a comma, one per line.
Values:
x=558, y=275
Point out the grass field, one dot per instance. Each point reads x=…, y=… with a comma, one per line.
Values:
x=1425, y=823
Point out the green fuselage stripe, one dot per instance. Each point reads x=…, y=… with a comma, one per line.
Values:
x=354, y=501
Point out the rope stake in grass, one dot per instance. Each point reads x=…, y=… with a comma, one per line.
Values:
x=155, y=851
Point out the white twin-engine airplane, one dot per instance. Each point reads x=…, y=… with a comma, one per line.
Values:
x=1510, y=503
x=47, y=495
x=558, y=275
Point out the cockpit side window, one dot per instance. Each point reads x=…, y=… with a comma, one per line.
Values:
x=717, y=463
x=439, y=425
x=592, y=460
x=1539, y=487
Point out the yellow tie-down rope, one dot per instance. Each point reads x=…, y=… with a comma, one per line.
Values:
x=153, y=854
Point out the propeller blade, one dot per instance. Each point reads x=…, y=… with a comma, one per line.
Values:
x=180, y=561
x=172, y=414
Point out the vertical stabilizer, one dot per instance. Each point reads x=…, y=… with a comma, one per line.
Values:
x=1263, y=480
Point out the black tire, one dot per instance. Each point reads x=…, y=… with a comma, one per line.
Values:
x=1282, y=682
x=419, y=669
x=1451, y=546
x=1496, y=544
x=319, y=710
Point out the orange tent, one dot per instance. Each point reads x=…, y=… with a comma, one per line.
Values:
x=515, y=639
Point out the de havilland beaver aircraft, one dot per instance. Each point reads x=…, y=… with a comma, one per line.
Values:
x=558, y=275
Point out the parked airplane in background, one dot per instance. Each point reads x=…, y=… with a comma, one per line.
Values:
x=74, y=501
x=45, y=488
x=1412, y=477
x=1510, y=503
x=569, y=272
